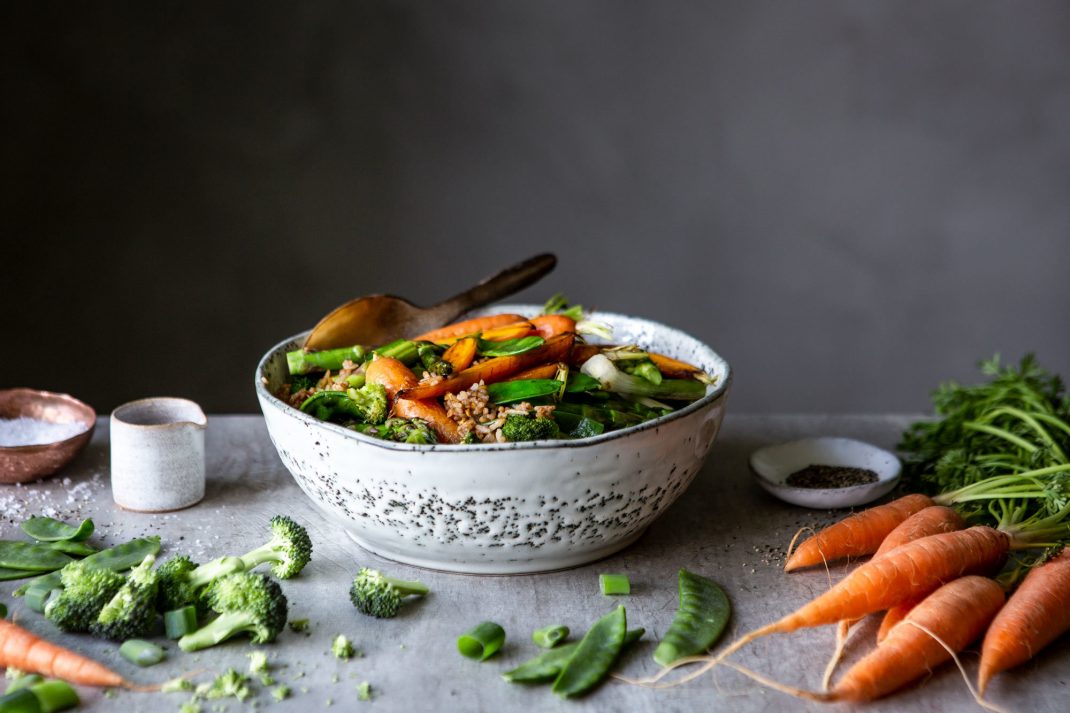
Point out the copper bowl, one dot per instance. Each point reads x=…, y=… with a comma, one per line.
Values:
x=21, y=464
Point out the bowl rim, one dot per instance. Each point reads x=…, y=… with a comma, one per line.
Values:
x=54, y=396
x=717, y=392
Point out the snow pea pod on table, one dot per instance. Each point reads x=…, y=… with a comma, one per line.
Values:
x=698, y=622
x=18, y=555
x=594, y=655
x=47, y=529
x=546, y=667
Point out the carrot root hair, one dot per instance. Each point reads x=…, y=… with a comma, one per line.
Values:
x=843, y=632
x=794, y=540
x=962, y=669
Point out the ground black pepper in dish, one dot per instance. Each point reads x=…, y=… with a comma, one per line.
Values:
x=830, y=476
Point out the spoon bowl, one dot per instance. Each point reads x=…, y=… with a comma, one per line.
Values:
x=380, y=319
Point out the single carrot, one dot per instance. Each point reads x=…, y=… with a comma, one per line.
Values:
x=395, y=377
x=461, y=353
x=30, y=653
x=957, y=613
x=467, y=327
x=856, y=535
x=893, y=616
x=927, y=521
x=543, y=371
x=550, y=325
x=515, y=330
x=493, y=370
x=1037, y=613
x=673, y=368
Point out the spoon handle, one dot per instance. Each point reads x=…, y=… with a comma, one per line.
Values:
x=508, y=281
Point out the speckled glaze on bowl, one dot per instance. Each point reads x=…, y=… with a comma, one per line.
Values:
x=503, y=508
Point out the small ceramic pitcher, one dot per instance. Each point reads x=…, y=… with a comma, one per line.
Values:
x=157, y=454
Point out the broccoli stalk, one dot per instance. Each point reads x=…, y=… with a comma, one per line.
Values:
x=182, y=581
x=132, y=611
x=613, y=379
x=288, y=550
x=247, y=602
x=380, y=596
x=431, y=359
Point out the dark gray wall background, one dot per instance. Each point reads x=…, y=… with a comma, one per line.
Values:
x=850, y=200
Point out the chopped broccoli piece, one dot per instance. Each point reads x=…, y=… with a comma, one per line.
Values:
x=229, y=684
x=431, y=359
x=380, y=596
x=364, y=691
x=288, y=550
x=401, y=430
x=247, y=602
x=258, y=662
x=176, y=685
x=518, y=427
x=86, y=589
x=299, y=625
x=266, y=679
x=190, y=706
x=182, y=582
x=342, y=648
x=281, y=692
x=132, y=611
x=367, y=404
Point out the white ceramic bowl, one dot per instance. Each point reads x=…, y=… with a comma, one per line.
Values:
x=501, y=508
x=772, y=465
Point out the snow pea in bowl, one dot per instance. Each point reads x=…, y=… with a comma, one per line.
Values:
x=501, y=508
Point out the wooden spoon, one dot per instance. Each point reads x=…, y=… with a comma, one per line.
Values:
x=380, y=319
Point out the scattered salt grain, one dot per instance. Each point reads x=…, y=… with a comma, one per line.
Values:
x=25, y=431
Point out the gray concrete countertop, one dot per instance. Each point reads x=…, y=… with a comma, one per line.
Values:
x=724, y=527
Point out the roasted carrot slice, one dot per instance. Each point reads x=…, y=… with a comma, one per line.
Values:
x=395, y=377
x=543, y=371
x=550, y=325
x=461, y=354
x=673, y=368
x=509, y=331
x=468, y=327
x=492, y=370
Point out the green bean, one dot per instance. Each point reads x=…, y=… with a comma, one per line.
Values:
x=21, y=701
x=545, y=667
x=614, y=584
x=6, y=574
x=70, y=547
x=30, y=679
x=699, y=621
x=15, y=554
x=142, y=653
x=481, y=641
x=550, y=636
x=55, y=696
x=301, y=362
x=47, y=529
x=594, y=655
x=179, y=622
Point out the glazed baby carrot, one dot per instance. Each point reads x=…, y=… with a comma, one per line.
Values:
x=550, y=325
x=927, y=521
x=957, y=613
x=28, y=652
x=856, y=535
x=516, y=330
x=395, y=377
x=492, y=370
x=1037, y=613
x=461, y=353
x=467, y=327
x=543, y=371
x=673, y=368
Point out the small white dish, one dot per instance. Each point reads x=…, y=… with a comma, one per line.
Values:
x=772, y=465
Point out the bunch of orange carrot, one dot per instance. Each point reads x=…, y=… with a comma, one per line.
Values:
x=933, y=576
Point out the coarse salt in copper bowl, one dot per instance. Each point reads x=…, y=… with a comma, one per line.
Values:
x=21, y=464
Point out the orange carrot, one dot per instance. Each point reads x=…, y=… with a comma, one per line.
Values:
x=493, y=370
x=856, y=535
x=395, y=377
x=582, y=352
x=1034, y=617
x=957, y=612
x=467, y=327
x=673, y=368
x=461, y=353
x=893, y=616
x=543, y=371
x=925, y=522
x=30, y=653
x=509, y=331
x=550, y=325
